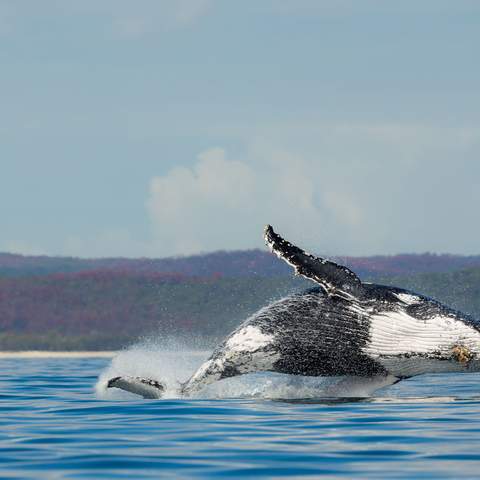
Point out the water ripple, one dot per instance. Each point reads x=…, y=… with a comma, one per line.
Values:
x=53, y=426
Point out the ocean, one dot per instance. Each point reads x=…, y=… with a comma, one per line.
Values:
x=57, y=421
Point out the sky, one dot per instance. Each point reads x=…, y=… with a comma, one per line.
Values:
x=171, y=127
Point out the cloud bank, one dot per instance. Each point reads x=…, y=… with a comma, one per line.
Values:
x=347, y=189
x=357, y=189
x=224, y=203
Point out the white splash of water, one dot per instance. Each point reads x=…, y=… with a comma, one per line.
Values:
x=172, y=363
x=168, y=361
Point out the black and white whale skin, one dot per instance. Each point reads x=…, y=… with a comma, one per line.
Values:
x=341, y=327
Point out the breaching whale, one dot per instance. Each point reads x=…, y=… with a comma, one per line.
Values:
x=341, y=327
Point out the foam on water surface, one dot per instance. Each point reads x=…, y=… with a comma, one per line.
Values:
x=169, y=361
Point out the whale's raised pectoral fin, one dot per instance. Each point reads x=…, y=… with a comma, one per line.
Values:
x=335, y=279
x=144, y=387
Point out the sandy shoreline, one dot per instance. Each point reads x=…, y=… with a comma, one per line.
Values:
x=66, y=354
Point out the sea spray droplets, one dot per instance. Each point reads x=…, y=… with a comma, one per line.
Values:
x=167, y=361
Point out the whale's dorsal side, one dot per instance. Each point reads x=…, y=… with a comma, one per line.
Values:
x=334, y=279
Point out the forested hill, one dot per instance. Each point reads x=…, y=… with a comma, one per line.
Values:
x=231, y=264
x=69, y=303
x=108, y=310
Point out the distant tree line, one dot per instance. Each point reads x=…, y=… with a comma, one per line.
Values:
x=71, y=303
x=230, y=264
x=109, y=309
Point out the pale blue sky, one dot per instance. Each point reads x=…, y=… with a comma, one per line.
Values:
x=153, y=128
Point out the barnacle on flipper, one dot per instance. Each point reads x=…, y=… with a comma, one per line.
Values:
x=461, y=354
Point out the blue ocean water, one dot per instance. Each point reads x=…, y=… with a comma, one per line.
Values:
x=55, y=424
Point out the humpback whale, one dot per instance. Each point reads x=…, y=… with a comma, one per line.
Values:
x=340, y=327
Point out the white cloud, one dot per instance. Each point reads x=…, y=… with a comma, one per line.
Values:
x=224, y=204
x=355, y=189
x=335, y=189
